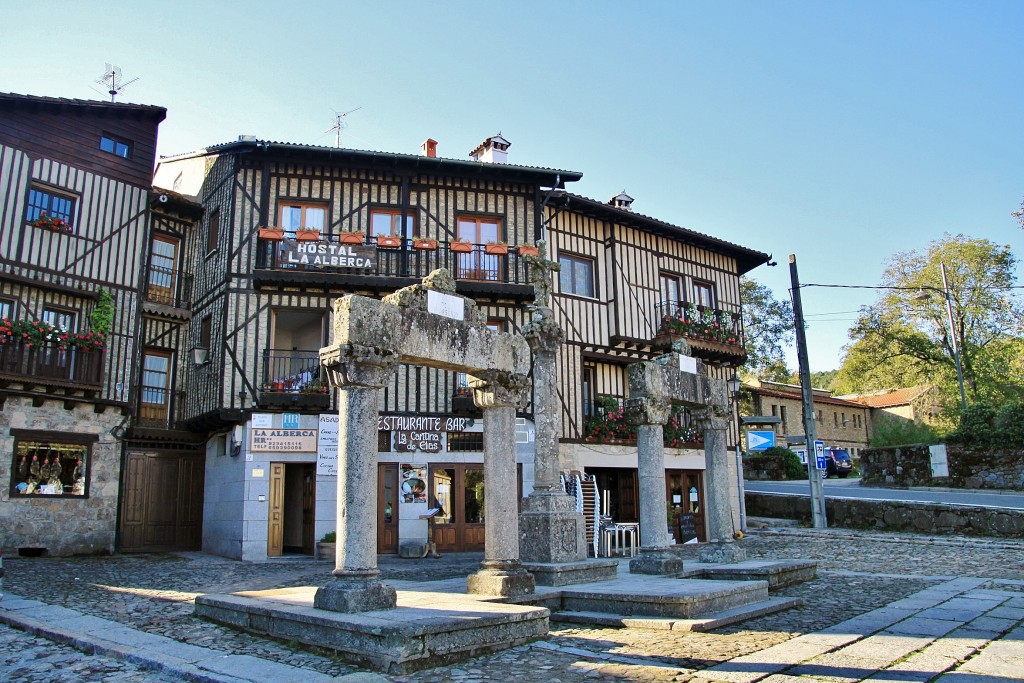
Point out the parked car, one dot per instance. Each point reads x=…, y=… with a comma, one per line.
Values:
x=837, y=463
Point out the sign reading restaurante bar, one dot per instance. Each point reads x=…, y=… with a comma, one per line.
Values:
x=328, y=254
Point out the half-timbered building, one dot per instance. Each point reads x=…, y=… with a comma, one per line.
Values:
x=75, y=180
x=288, y=228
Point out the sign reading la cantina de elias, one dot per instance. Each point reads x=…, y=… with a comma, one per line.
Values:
x=328, y=254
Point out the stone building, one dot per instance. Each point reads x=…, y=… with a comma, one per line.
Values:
x=838, y=422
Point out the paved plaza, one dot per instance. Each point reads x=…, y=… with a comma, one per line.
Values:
x=886, y=607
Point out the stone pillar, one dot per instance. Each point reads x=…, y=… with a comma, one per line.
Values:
x=650, y=416
x=501, y=573
x=551, y=530
x=717, y=482
x=360, y=373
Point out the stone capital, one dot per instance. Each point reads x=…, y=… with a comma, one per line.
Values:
x=499, y=389
x=708, y=418
x=544, y=335
x=648, y=411
x=353, y=365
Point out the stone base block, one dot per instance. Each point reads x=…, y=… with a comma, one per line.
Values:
x=655, y=562
x=551, y=531
x=354, y=595
x=412, y=550
x=722, y=552
x=658, y=596
x=422, y=632
x=507, y=583
x=778, y=573
x=571, y=573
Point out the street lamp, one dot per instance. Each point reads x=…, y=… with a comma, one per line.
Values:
x=923, y=296
x=734, y=385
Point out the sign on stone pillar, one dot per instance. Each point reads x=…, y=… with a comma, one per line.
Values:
x=499, y=394
x=360, y=372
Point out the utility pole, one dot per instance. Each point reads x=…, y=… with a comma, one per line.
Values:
x=818, y=518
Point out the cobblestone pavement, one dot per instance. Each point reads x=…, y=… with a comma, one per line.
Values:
x=858, y=572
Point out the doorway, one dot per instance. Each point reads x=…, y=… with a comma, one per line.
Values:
x=387, y=508
x=458, y=490
x=685, y=493
x=162, y=501
x=292, y=505
x=619, y=493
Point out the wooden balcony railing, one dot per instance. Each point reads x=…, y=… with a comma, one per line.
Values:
x=47, y=364
x=404, y=261
x=168, y=287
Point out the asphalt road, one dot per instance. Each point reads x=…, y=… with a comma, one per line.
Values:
x=851, y=488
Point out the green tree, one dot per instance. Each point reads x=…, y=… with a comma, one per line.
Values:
x=904, y=338
x=768, y=328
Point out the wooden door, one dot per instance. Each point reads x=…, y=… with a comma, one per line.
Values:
x=308, y=508
x=458, y=490
x=685, y=495
x=275, y=513
x=387, y=508
x=162, y=501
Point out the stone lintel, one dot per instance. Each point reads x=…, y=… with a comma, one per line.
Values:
x=650, y=380
x=655, y=561
x=355, y=595
x=648, y=411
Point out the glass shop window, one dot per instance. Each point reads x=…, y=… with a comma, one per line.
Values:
x=47, y=468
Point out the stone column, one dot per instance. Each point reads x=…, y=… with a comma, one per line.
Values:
x=650, y=416
x=360, y=373
x=717, y=482
x=501, y=573
x=551, y=530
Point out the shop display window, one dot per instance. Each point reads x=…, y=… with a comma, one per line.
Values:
x=50, y=468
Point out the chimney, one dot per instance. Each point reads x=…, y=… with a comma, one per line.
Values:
x=622, y=201
x=429, y=148
x=493, y=150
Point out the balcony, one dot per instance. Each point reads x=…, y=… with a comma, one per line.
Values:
x=50, y=365
x=366, y=266
x=293, y=380
x=606, y=423
x=167, y=291
x=714, y=335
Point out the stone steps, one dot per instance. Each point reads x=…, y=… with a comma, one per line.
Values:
x=703, y=623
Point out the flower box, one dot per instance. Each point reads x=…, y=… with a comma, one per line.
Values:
x=389, y=241
x=307, y=235
x=52, y=223
x=271, y=234
x=460, y=247
x=351, y=237
x=528, y=250
x=424, y=244
x=495, y=249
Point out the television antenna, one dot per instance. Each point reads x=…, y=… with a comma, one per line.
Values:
x=340, y=124
x=112, y=79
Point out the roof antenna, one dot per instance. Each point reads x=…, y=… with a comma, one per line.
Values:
x=112, y=80
x=340, y=124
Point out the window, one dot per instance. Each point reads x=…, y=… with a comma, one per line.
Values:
x=671, y=293
x=116, y=146
x=163, y=270
x=703, y=294
x=820, y=416
x=156, y=385
x=213, y=231
x=782, y=414
x=479, y=230
x=43, y=202
x=576, y=275
x=6, y=308
x=463, y=442
x=588, y=391
x=843, y=421
x=478, y=265
x=62, y=319
x=388, y=222
x=835, y=419
x=206, y=332
x=296, y=216
x=51, y=464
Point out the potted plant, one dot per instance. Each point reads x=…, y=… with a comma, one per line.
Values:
x=53, y=223
x=352, y=237
x=271, y=233
x=496, y=248
x=389, y=241
x=305, y=235
x=528, y=250
x=424, y=243
x=325, y=548
x=460, y=246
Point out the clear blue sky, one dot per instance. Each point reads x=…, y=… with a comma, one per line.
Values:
x=841, y=132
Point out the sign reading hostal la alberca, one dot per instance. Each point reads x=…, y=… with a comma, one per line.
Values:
x=328, y=254
x=283, y=440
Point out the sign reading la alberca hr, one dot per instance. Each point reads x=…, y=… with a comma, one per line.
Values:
x=328, y=254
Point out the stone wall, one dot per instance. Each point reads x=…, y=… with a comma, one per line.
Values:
x=764, y=468
x=63, y=526
x=925, y=518
x=968, y=468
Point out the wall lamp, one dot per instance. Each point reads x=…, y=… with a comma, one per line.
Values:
x=200, y=354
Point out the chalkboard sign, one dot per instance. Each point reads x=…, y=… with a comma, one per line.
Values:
x=687, y=528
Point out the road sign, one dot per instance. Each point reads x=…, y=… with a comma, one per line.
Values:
x=819, y=454
x=760, y=441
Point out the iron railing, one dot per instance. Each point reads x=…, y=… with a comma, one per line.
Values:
x=168, y=287
x=699, y=322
